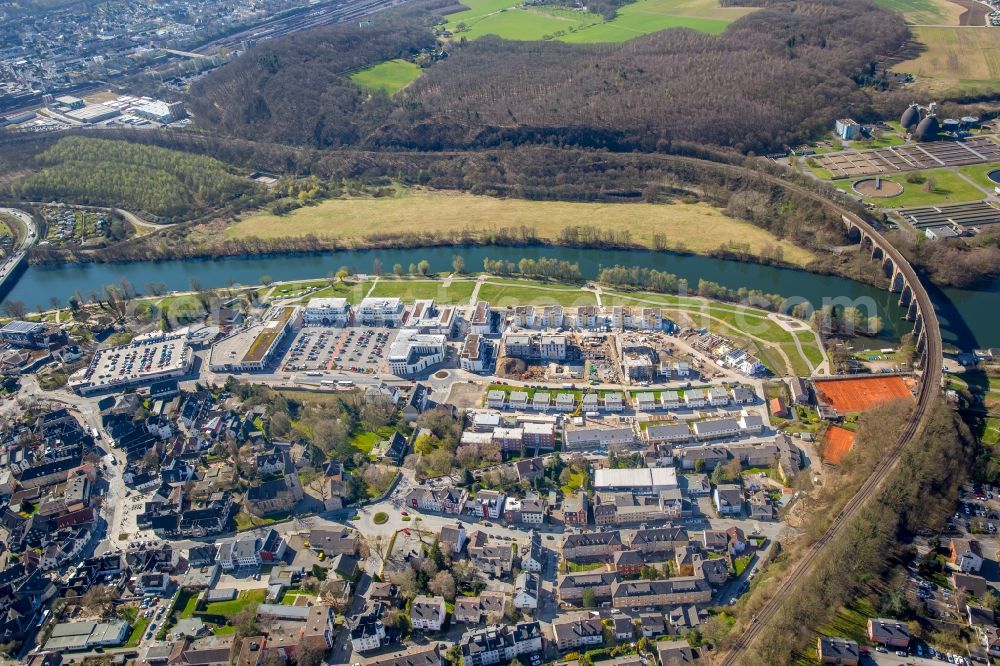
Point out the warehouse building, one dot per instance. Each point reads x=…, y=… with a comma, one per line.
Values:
x=645, y=481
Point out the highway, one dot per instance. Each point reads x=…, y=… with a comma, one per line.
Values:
x=9, y=268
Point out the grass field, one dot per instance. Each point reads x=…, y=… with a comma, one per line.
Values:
x=958, y=61
x=510, y=20
x=390, y=77
x=977, y=172
x=365, y=441
x=949, y=188
x=925, y=12
x=138, y=629
x=458, y=292
x=699, y=227
x=503, y=295
x=230, y=608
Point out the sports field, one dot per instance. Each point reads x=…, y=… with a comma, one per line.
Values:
x=860, y=394
x=390, y=77
x=699, y=227
x=837, y=443
x=512, y=20
x=956, y=61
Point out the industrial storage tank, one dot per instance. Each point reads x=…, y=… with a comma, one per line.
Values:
x=951, y=125
x=970, y=121
x=910, y=117
x=927, y=129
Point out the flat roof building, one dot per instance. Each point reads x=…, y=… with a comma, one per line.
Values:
x=326, y=312
x=145, y=360
x=645, y=481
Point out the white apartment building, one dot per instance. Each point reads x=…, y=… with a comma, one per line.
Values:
x=378, y=311
x=412, y=352
x=327, y=312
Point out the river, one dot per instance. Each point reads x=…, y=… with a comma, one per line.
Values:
x=967, y=317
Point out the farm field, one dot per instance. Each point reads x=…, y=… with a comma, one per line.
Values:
x=510, y=20
x=949, y=188
x=700, y=227
x=925, y=12
x=390, y=77
x=958, y=61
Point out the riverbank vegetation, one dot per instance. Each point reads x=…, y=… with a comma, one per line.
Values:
x=158, y=183
x=695, y=227
x=856, y=567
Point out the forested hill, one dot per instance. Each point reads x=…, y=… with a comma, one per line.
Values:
x=773, y=77
x=296, y=90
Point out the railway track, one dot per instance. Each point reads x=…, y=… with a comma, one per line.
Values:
x=929, y=390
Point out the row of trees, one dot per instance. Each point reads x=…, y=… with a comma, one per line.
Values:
x=650, y=279
x=556, y=269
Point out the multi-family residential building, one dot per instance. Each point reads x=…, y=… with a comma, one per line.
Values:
x=660, y=540
x=574, y=508
x=592, y=545
x=427, y=613
x=501, y=644
x=670, y=592
x=481, y=320
x=578, y=631
x=476, y=610
x=570, y=587
x=443, y=500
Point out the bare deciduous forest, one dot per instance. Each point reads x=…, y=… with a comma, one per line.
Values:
x=774, y=77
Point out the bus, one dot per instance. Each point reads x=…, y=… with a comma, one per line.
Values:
x=343, y=383
x=327, y=382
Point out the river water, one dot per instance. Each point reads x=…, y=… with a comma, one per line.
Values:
x=968, y=318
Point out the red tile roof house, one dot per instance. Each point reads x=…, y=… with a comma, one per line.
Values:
x=887, y=632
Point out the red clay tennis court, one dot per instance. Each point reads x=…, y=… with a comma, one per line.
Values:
x=862, y=393
x=837, y=443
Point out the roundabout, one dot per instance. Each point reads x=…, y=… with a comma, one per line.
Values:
x=877, y=188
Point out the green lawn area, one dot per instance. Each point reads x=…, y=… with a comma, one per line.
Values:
x=977, y=172
x=886, y=140
x=138, y=631
x=230, y=608
x=409, y=290
x=741, y=563
x=365, y=441
x=991, y=435
x=575, y=567
x=513, y=294
x=289, y=597
x=575, y=483
x=949, y=188
x=186, y=604
x=512, y=20
x=352, y=291
x=390, y=77
x=245, y=521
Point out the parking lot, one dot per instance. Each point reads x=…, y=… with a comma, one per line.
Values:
x=359, y=349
